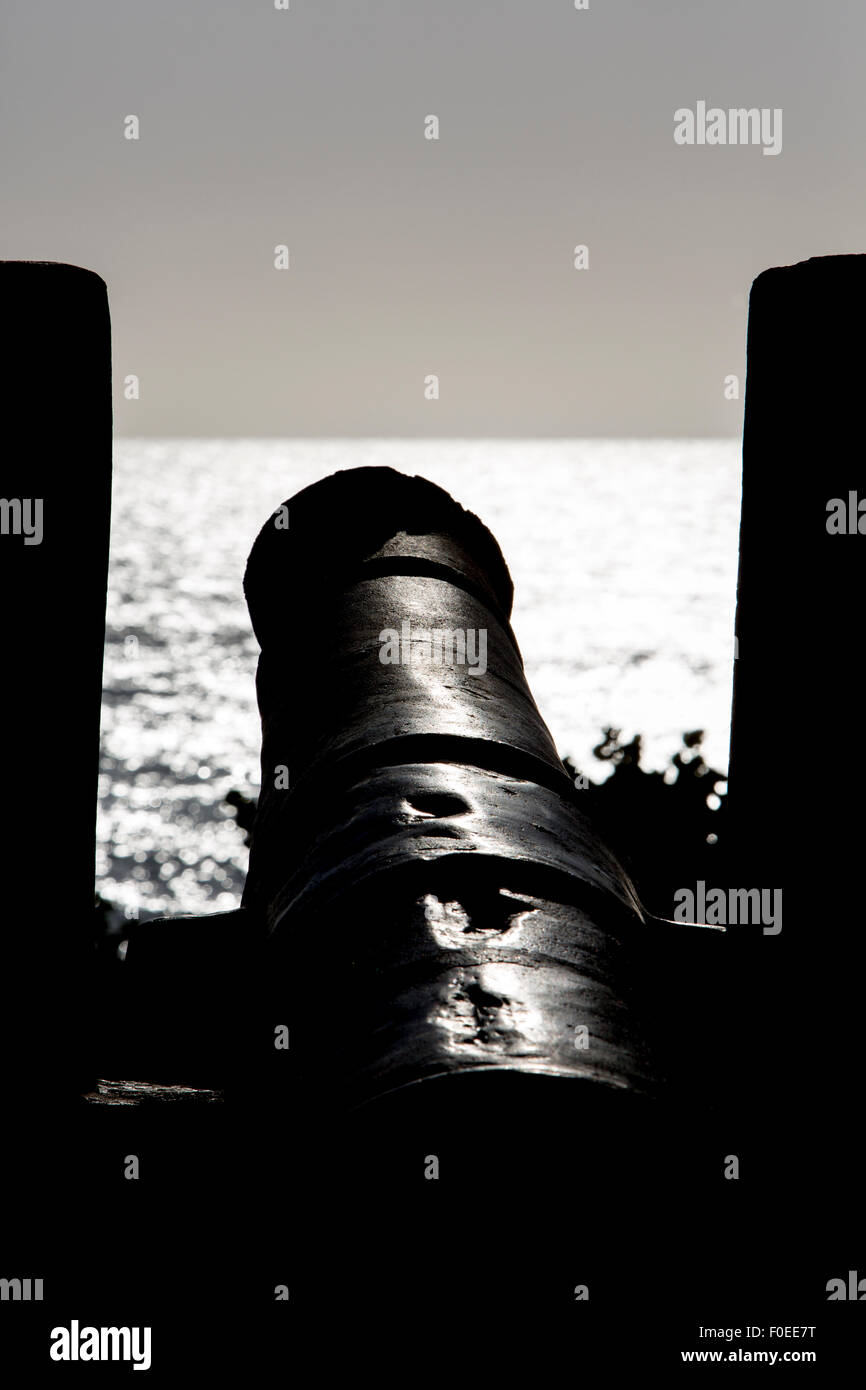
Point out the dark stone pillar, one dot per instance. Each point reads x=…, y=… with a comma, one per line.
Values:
x=796, y=762
x=57, y=456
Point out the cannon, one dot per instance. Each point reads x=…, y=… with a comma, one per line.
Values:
x=428, y=914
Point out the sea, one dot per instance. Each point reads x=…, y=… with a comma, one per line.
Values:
x=623, y=554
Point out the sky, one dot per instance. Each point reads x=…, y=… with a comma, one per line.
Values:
x=408, y=257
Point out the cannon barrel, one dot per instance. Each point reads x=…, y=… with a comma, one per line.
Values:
x=419, y=856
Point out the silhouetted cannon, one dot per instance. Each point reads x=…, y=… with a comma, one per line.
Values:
x=414, y=816
x=426, y=900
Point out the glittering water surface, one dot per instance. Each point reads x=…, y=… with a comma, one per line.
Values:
x=623, y=554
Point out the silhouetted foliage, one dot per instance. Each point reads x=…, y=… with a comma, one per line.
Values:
x=245, y=811
x=664, y=828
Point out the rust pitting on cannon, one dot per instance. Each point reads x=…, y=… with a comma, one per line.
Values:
x=472, y=1017
x=438, y=806
x=483, y=917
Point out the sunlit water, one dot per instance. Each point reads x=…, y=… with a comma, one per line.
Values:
x=623, y=555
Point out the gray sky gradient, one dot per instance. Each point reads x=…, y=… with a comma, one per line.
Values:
x=410, y=256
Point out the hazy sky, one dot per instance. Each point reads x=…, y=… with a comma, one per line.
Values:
x=410, y=256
